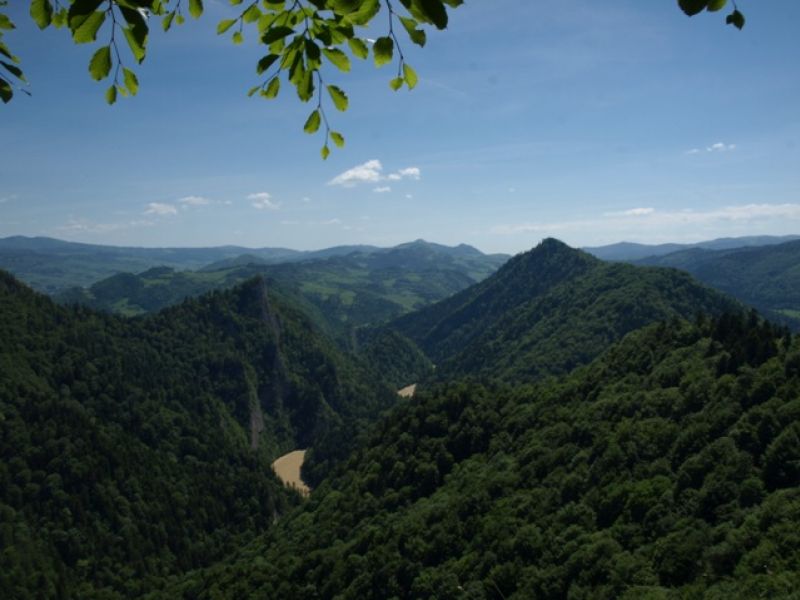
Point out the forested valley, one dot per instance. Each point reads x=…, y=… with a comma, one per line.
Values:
x=581, y=429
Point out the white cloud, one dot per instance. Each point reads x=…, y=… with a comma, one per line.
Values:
x=409, y=196
x=382, y=189
x=716, y=147
x=332, y=222
x=721, y=147
x=369, y=171
x=194, y=201
x=263, y=201
x=633, y=212
x=372, y=172
x=87, y=226
x=161, y=209
x=410, y=173
x=646, y=223
x=5, y=199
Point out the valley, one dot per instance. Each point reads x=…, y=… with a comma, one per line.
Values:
x=590, y=429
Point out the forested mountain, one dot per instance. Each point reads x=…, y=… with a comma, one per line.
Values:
x=133, y=449
x=549, y=310
x=628, y=251
x=766, y=277
x=668, y=468
x=342, y=292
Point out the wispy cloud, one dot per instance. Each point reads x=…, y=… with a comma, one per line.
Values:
x=4, y=199
x=638, y=222
x=715, y=147
x=382, y=189
x=372, y=172
x=194, y=201
x=88, y=226
x=263, y=201
x=160, y=209
x=632, y=212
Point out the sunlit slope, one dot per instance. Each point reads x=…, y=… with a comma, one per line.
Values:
x=549, y=310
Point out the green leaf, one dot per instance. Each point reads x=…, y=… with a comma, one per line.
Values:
x=276, y=33
x=715, y=5
x=111, y=94
x=337, y=138
x=137, y=40
x=410, y=76
x=100, y=65
x=252, y=14
x=358, y=47
x=253, y=90
x=433, y=11
x=15, y=70
x=166, y=22
x=339, y=97
x=5, y=22
x=224, y=25
x=266, y=62
x=325, y=152
x=7, y=92
x=692, y=7
x=736, y=19
x=312, y=123
x=383, y=49
x=86, y=31
x=272, y=89
x=305, y=85
x=41, y=13
x=7, y=53
x=237, y=37
x=196, y=8
x=338, y=58
x=131, y=81
x=417, y=35
x=396, y=83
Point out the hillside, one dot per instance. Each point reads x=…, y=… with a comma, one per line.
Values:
x=665, y=469
x=549, y=310
x=342, y=292
x=137, y=449
x=766, y=277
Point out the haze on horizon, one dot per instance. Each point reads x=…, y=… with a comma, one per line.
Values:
x=592, y=124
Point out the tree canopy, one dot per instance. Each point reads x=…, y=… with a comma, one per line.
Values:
x=304, y=41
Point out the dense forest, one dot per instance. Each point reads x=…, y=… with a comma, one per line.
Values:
x=582, y=429
x=666, y=468
x=548, y=311
x=134, y=449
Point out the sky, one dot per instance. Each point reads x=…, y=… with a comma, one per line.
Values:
x=592, y=122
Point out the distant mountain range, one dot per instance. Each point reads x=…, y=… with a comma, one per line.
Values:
x=341, y=292
x=50, y=265
x=766, y=277
x=628, y=251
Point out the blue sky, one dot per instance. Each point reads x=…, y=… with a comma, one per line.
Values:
x=589, y=121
